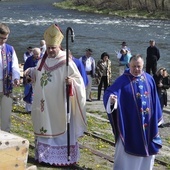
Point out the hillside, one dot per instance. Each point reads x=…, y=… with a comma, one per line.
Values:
x=120, y=8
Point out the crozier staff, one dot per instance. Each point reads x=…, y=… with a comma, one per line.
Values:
x=68, y=90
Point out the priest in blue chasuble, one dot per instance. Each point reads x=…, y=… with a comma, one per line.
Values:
x=134, y=111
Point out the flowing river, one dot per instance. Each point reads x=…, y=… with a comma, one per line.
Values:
x=28, y=20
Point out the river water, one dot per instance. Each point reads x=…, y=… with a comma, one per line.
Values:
x=28, y=20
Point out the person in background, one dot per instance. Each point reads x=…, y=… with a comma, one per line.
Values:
x=166, y=85
x=124, y=47
x=162, y=81
x=103, y=73
x=89, y=64
x=152, y=57
x=49, y=110
x=9, y=76
x=134, y=111
x=28, y=94
x=124, y=60
x=28, y=90
x=42, y=47
x=27, y=54
x=80, y=67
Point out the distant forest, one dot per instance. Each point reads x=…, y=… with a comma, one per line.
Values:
x=149, y=5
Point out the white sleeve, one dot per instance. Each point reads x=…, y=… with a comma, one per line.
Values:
x=15, y=67
x=25, y=57
x=119, y=55
x=108, y=108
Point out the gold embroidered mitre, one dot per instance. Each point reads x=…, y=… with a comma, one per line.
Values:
x=53, y=36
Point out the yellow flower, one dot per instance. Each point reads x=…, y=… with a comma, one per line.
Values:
x=97, y=166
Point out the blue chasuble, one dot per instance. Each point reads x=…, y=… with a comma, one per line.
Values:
x=135, y=121
x=81, y=69
x=28, y=90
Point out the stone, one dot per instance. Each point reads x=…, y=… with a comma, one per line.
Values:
x=13, y=151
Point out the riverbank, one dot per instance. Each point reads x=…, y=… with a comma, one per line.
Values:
x=133, y=13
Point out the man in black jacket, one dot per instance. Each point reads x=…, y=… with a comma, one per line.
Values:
x=153, y=56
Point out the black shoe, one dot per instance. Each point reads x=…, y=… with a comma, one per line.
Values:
x=161, y=126
x=89, y=100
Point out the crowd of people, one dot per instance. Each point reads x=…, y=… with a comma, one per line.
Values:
x=134, y=101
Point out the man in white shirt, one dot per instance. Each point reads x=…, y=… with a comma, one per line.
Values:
x=89, y=64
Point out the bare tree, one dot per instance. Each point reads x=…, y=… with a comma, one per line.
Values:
x=155, y=3
x=140, y=3
x=129, y=4
x=147, y=6
x=163, y=5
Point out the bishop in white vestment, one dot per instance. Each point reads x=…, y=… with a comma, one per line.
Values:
x=49, y=109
